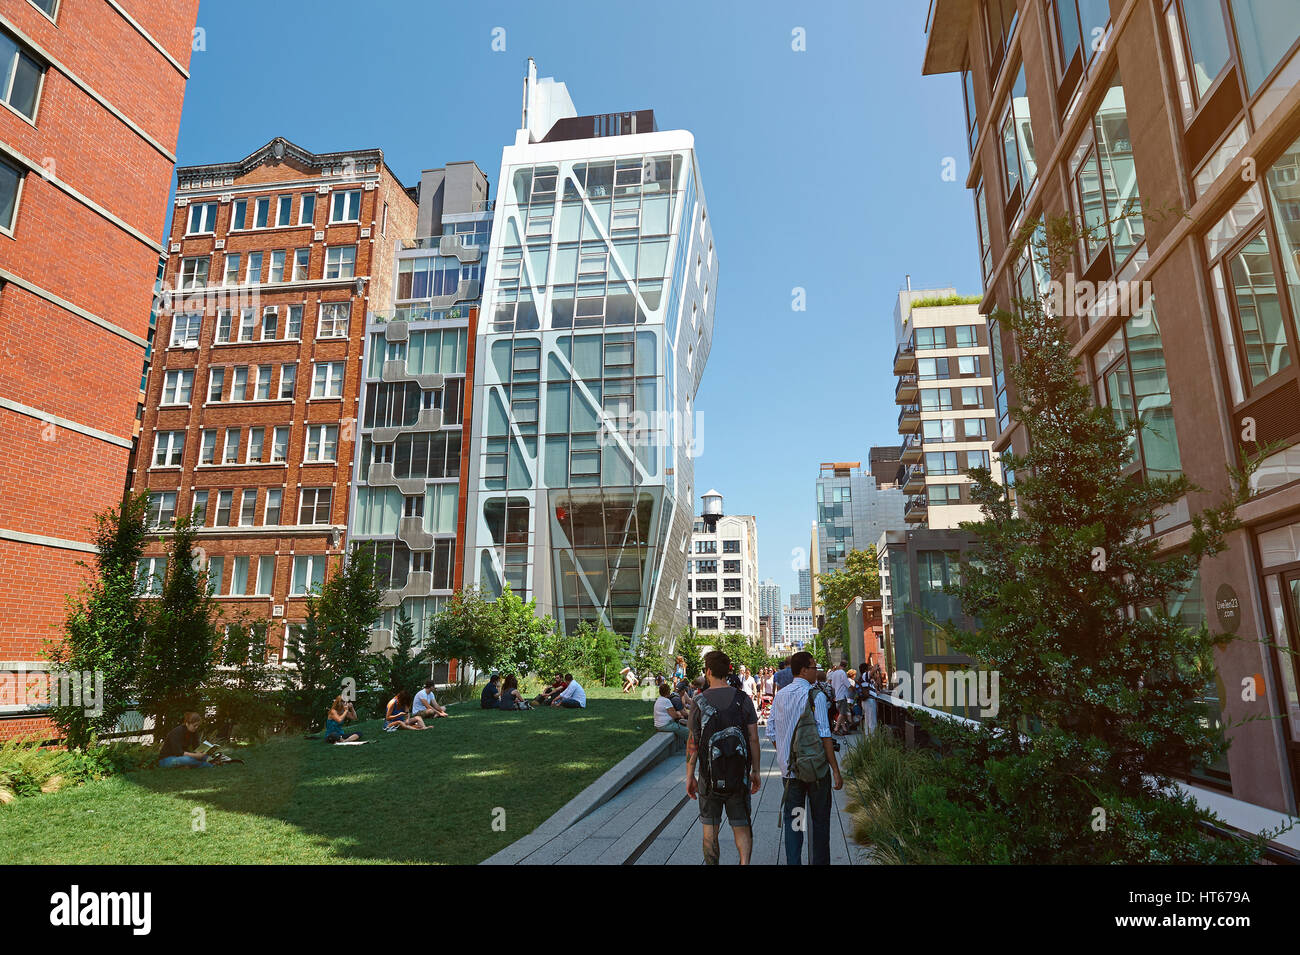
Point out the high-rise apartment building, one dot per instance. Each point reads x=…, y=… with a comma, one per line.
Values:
x=769, y=605
x=945, y=388
x=722, y=572
x=1100, y=111
x=596, y=325
x=92, y=98
x=253, y=394
x=805, y=590
x=852, y=512
x=411, y=464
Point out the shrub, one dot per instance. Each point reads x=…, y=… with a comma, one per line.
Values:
x=28, y=769
x=882, y=781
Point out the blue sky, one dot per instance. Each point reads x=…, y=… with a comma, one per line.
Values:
x=821, y=168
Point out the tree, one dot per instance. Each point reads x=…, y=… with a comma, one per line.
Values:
x=650, y=655
x=103, y=631
x=181, y=634
x=332, y=647
x=520, y=633
x=688, y=648
x=467, y=630
x=1098, y=682
x=240, y=692
x=410, y=665
x=859, y=577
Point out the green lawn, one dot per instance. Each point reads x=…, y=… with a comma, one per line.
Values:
x=404, y=797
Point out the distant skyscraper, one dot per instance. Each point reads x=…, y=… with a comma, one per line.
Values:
x=805, y=589
x=769, y=605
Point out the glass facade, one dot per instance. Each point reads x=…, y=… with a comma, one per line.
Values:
x=597, y=319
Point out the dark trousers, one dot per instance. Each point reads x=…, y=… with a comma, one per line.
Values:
x=816, y=797
x=571, y=704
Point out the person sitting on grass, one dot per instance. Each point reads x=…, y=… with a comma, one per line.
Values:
x=179, y=749
x=491, y=694
x=398, y=715
x=426, y=705
x=340, y=712
x=547, y=696
x=511, y=698
x=669, y=719
x=574, y=697
x=629, y=679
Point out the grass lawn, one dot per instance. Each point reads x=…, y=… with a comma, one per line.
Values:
x=404, y=797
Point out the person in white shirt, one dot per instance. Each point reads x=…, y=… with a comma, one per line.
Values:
x=787, y=707
x=669, y=719
x=749, y=685
x=426, y=705
x=574, y=696
x=840, y=683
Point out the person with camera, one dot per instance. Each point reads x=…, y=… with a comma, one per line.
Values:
x=180, y=746
x=340, y=712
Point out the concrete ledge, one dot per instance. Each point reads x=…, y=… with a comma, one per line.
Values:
x=657, y=748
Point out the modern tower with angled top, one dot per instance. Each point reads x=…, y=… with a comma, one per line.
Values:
x=596, y=324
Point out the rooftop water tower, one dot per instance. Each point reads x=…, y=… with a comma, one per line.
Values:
x=712, y=509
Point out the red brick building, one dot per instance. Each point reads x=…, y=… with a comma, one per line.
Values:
x=79, y=254
x=252, y=399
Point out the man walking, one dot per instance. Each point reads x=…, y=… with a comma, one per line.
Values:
x=723, y=742
x=800, y=729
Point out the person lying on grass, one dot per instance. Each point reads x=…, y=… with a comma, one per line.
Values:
x=179, y=749
x=340, y=712
x=398, y=715
x=426, y=705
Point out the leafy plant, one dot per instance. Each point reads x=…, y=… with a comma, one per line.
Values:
x=409, y=666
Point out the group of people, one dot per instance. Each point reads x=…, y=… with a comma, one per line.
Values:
x=503, y=693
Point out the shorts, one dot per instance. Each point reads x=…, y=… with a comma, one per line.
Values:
x=737, y=808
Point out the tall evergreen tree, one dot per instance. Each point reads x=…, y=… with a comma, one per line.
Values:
x=409, y=665
x=103, y=631
x=181, y=635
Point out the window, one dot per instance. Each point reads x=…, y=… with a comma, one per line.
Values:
x=982, y=226
x=936, y=399
x=279, y=445
x=308, y=574
x=1104, y=182
x=731, y=547
x=967, y=336
x=731, y=566
x=288, y=376
x=256, y=437
x=307, y=209
x=929, y=368
x=314, y=505
x=254, y=276
x=706, y=566
x=999, y=23
x=20, y=77
x=185, y=330
x=261, y=213
x=238, y=215
x=322, y=443
x=11, y=180
x=216, y=383
x=1020, y=167
x=968, y=366
x=1080, y=35
x=270, y=323
x=943, y=494
x=301, y=262
x=222, y=334
x=162, y=508
x=199, y=508
x=346, y=206
x=340, y=262
x=284, y=210
x=265, y=576
x=1266, y=32
x=224, y=499
x=239, y=387
x=334, y=320
x=247, y=509
x=231, y=276
x=706, y=547
x=327, y=379
x=151, y=572
x=1261, y=327
x=277, y=266
x=927, y=338
x=731, y=584
x=938, y=429
x=274, y=498
x=50, y=7
x=194, y=272
x=247, y=324
x=177, y=386
x=168, y=449
x=202, y=218
x=972, y=120
x=230, y=450
x=972, y=397
x=208, y=447
x=263, y=385
x=293, y=325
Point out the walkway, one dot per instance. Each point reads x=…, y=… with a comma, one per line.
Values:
x=651, y=821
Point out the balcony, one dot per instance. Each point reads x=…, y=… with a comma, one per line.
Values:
x=905, y=359
x=916, y=510
x=914, y=483
x=909, y=419
x=906, y=391
x=910, y=452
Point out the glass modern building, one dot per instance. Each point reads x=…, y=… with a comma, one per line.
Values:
x=596, y=324
x=852, y=512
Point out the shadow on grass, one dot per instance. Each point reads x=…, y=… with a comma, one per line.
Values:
x=469, y=785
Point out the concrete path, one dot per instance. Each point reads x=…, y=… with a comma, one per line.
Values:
x=651, y=821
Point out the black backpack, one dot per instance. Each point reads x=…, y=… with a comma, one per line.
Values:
x=723, y=748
